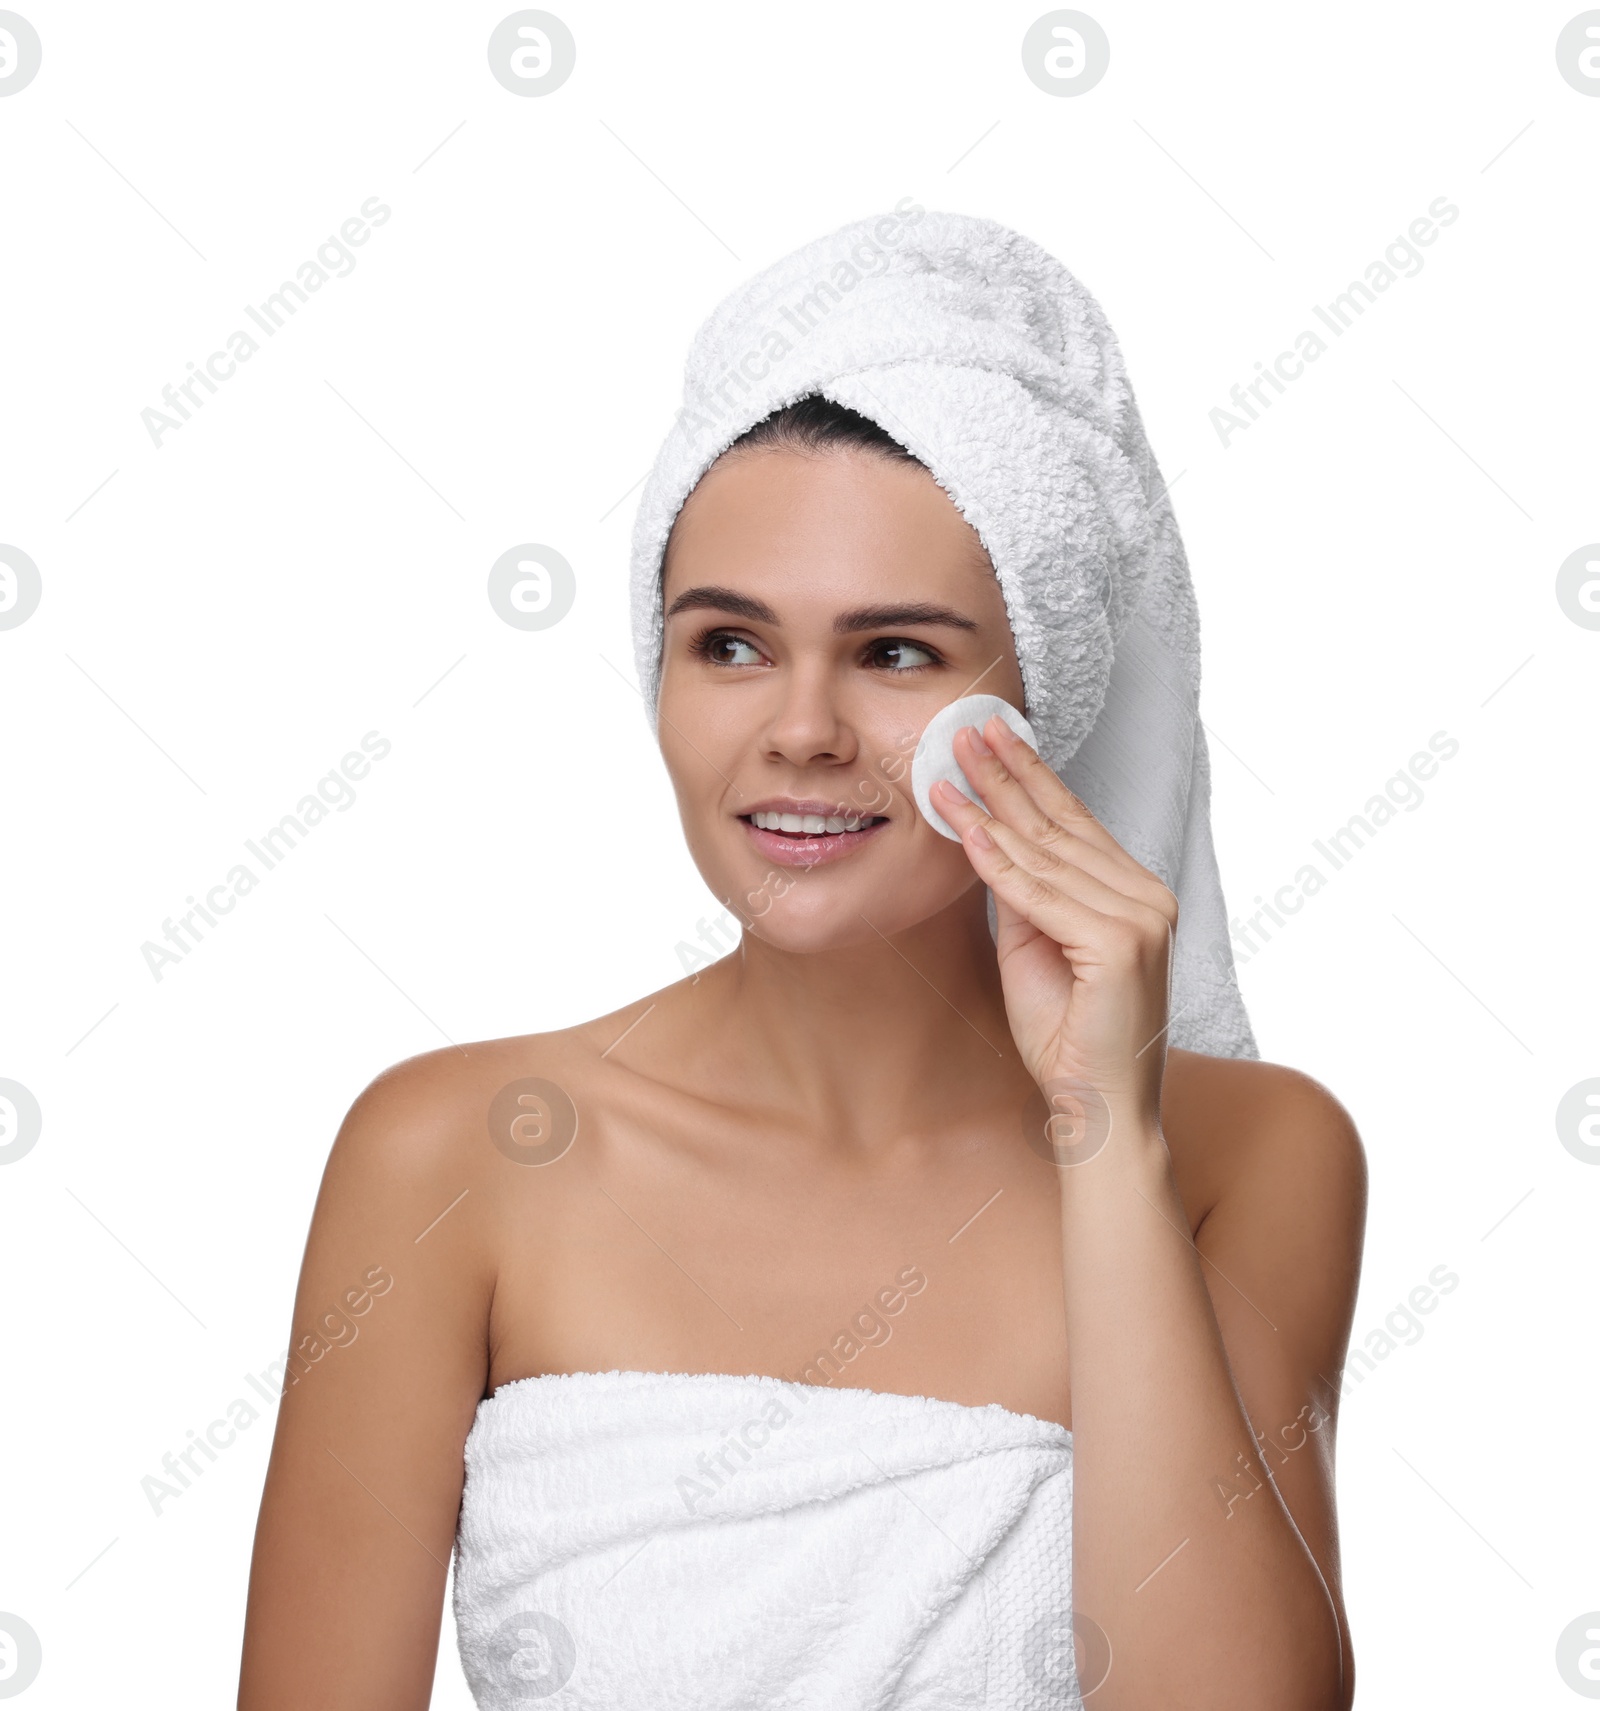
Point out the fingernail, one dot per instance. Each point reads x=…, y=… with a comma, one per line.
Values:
x=982, y=839
x=977, y=741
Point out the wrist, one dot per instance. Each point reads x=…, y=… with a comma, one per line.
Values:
x=1131, y=1148
x=1075, y=1122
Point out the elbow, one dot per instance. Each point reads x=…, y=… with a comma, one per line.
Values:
x=1305, y=1663
x=1317, y=1657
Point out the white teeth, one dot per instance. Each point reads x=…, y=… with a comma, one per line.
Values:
x=814, y=824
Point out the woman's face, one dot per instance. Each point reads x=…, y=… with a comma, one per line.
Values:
x=820, y=608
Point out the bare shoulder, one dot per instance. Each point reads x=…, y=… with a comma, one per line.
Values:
x=1226, y=1118
x=418, y=1178
x=391, y=1349
x=451, y=1113
x=1270, y=1164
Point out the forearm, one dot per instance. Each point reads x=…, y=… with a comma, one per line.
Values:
x=1205, y=1601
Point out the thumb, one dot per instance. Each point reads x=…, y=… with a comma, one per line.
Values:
x=1013, y=929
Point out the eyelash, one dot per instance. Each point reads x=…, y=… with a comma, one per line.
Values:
x=702, y=644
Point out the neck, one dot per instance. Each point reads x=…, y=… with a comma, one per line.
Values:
x=869, y=1042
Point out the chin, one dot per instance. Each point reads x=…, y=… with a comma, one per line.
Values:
x=816, y=931
x=839, y=905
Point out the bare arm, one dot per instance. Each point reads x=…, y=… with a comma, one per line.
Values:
x=388, y=1363
x=1282, y=1251
x=1205, y=1602
x=1205, y=1537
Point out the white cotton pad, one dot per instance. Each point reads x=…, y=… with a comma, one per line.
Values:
x=936, y=756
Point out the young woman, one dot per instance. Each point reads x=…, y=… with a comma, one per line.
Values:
x=612, y=1224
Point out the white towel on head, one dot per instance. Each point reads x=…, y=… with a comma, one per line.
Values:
x=982, y=355
x=699, y=1542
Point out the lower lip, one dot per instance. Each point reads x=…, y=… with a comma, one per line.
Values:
x=790, y=849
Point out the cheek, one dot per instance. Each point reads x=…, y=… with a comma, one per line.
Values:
x=699, y=744
x=698, y=774
x=936, y=866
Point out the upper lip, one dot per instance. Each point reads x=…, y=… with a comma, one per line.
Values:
x=809, y=805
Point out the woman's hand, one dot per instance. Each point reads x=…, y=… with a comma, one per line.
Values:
x=1085, y=931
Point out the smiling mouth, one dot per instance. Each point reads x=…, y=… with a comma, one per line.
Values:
x=810, y=840
x=812, y=825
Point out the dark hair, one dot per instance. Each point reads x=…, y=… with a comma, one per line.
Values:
x=814, y=424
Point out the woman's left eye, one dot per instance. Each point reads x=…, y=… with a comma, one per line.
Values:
x=900, y=655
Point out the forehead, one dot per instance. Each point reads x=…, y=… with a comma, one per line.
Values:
x=829, y=529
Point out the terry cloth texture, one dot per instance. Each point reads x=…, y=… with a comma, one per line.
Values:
x=700, y=1542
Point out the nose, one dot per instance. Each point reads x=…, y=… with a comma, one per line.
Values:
x=807, y=725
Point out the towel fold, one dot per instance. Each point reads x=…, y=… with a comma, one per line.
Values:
x=655, y=1541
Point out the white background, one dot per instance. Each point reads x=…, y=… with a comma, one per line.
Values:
x=305, y=560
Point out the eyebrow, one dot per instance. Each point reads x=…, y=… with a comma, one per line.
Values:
x=844, y=624
x=890, y=617
x=723, y=600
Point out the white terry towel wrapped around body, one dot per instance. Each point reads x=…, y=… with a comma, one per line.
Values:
x=983, y=356
x=701, y=1542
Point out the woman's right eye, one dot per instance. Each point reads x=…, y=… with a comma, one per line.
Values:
x=723, y=647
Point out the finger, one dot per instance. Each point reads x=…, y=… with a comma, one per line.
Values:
x=1046, y=790
x=1039, y=880
x=1000, y=789
x=1113, y=898
x=1012, y=792
x=1069, y=923
x=1013, y=930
